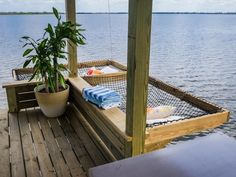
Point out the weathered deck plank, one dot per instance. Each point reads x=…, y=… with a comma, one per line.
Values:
x=92, y=149
x=30, y=157
x=54, y=151
x=76, y=144
x=4, y=145
x=38, y=146
x=45, y=163
x=70, y=158
x=16, y=156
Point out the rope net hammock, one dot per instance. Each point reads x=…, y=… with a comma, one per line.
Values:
x=157, y=96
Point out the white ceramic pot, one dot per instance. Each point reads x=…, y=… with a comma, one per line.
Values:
x=52, y=104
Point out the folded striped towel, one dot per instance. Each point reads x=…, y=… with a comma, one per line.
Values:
x=102, y=97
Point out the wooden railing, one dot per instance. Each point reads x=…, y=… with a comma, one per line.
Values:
x=20, y=95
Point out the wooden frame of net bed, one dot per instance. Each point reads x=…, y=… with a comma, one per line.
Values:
x=108, y=127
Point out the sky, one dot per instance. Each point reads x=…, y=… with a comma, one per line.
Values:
x=119, y=5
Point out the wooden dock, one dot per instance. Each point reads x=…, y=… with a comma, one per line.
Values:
x=33, y=145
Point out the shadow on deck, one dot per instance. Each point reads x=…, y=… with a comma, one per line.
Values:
x=33, y=145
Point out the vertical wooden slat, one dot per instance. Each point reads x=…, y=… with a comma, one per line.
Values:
x=76, y=144
x=90, y=146
x=31, y=164
x=69, y=155
x=72, y=49
x=17, y=161
x=45, y=164
x=4, y=145
x=56, y=156
x=140, y=13
x=11, y=99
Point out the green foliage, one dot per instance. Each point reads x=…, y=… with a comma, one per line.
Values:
x=48, y=50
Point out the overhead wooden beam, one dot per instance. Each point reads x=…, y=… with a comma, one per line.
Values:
x=72, y=49
x=139, y=34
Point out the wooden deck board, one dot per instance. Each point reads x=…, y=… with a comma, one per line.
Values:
x=16, y=156
x=4, y=145
x=66, y=149
x=38, y=146
x=54, y=151
x=93, y=151
x=30, y=157
x=45, y=163
x=76, y=144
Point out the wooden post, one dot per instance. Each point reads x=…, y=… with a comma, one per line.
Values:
x=139, y=37
x=72, y=49
x=11, y=99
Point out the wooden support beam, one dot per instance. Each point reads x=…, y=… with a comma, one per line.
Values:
x=72, y=49
x=139, y=34
x=11, y=99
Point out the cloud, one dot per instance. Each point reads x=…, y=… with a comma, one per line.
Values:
x=30, y=5
x=195, y=5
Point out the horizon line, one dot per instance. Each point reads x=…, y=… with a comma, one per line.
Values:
x=119, y=12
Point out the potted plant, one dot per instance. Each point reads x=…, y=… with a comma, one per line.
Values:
x=44, y=54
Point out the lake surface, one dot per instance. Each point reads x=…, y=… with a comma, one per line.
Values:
x=196, y=53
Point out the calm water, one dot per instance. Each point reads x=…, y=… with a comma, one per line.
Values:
x=194, y=52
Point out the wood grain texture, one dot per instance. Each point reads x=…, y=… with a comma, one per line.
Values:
x=23, y=83
x=11, y=99
x=45, y=163
x=17, y=162
x=97, y=140
x=4, y=144
x=92, y=149
x=25, y=96
x=139, y=38
x=72, y=48
x=38, y=146
x=114, y=117
x=76, y=144
x=101, y=128
x=106, y=123
x=173, y=130
x=30, y=156
x=74, y=166
x=28, y=104
x=53, y=149
x=118, y=65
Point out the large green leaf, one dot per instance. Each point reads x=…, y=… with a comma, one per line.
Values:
x=55, y=12
x=27, y=52
x=62, y=80
x=26, y=63
x=25, y=37
x=49, y=29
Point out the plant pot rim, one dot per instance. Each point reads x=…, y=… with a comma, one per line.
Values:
x=42, y=86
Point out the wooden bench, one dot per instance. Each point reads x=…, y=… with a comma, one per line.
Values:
x=20, y=95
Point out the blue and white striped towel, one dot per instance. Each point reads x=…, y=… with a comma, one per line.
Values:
x=102, y=97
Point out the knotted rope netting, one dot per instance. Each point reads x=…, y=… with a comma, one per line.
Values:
x=156, y=96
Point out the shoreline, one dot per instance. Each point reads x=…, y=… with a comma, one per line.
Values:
x=187, y=13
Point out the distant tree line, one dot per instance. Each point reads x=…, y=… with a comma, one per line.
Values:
x=40, y=13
